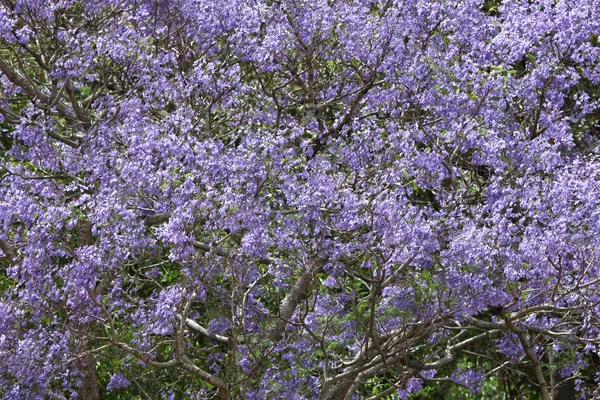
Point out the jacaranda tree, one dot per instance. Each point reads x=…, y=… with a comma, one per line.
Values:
x=267, y=199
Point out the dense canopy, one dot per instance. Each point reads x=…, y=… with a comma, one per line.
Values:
x=266, y=199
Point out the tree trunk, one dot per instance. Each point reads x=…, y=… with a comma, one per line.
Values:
x=89, y=381
x=89, y=386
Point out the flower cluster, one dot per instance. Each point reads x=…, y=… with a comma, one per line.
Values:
x=294, y=198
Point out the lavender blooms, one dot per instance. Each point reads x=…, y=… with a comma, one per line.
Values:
x=302, y=199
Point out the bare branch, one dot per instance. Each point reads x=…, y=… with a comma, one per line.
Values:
x=193, y=325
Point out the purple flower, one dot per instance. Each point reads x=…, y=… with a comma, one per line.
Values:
x=117, y=381
x=469, y=378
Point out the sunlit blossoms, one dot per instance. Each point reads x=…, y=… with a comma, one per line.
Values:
x=271, y=199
